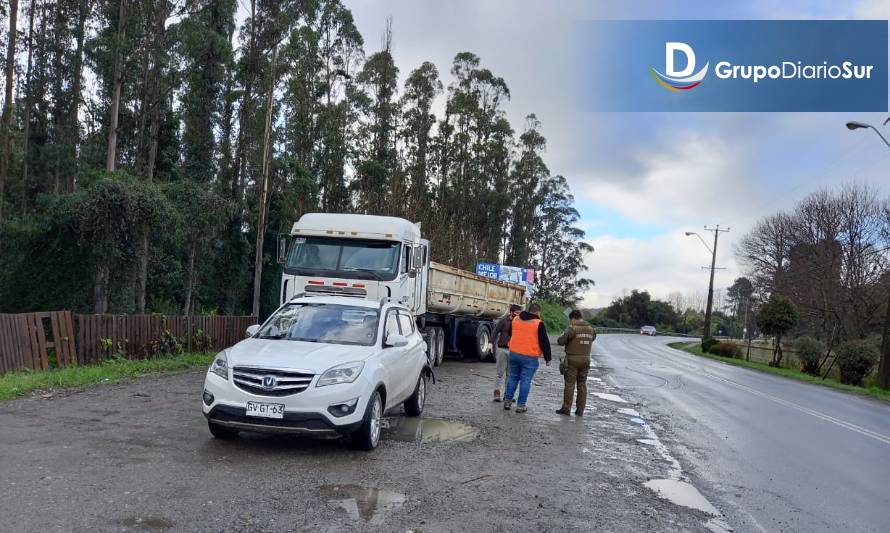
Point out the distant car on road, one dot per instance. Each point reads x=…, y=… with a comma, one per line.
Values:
x=648, y=330
x=320, y=366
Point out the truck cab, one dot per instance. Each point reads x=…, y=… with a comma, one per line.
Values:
x=356, y=255
x=375, y=257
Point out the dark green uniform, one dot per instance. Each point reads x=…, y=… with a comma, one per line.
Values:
x=578, y=340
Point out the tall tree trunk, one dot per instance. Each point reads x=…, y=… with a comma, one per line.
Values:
x=7, y=104
x=142, y=273
x=26, y=135
x=154, y=101
x=58, y=98
x=76, y=88
x=111, y=157
x=190, y=286
x=100, y=289
x=238, y=165
x=263, y=192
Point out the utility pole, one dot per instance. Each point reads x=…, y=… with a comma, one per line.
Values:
x=717, y=231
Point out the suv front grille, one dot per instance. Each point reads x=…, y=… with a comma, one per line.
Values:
x=257, y=381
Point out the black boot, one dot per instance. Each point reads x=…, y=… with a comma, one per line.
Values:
x=562, y=412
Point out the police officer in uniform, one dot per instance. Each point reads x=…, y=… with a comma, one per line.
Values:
x=578, y=340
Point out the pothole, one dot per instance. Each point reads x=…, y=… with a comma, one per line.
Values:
x=427, y=430
x=681, y=493
x=362, y=503
x=607, y=396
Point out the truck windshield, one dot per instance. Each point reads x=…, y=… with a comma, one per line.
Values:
x=343, y=258
x=333, y=324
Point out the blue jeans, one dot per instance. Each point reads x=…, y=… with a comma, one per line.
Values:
x=522, y=370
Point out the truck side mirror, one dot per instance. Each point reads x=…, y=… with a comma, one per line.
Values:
x=417, y=258
x=282, y=248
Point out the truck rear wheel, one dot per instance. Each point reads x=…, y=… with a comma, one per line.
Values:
x=482, y=348
x=440, y=346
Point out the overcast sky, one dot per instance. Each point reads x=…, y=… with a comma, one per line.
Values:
x=642, y=179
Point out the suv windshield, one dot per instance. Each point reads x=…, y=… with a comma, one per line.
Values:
x=329, y=323
x=349, y=258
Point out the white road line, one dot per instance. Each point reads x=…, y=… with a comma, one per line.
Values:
x=812, y=412
x=781, y=401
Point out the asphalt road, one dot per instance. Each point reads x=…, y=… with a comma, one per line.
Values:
x=138, y=457
x=772, y=454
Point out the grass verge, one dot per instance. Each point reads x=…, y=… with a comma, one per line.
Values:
x=874, y=392
x=16, y=384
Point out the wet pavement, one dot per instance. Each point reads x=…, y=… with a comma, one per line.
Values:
x=138, y=457
x=766, y=452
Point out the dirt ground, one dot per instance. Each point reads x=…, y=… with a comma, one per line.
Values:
x=138, y=457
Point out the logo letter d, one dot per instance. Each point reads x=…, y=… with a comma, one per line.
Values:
x=669, y=49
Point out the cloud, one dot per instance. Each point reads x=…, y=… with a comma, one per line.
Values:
x=690, y=177
x=661, y=265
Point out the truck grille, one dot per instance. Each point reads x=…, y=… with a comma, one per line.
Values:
x=268, y=382
x=320, y=290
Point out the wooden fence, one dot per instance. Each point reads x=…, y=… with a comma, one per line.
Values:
x=59, y=339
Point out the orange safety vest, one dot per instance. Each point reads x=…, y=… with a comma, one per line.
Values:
x=524, y=337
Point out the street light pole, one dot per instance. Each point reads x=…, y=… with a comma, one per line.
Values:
x=884, y=365
x=717, y=231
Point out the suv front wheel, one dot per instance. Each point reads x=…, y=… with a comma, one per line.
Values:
x=367, y=437
x=414, y=404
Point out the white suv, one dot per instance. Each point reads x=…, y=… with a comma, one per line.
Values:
x=320, y=366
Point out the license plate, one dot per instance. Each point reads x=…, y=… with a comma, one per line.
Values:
x=265, y=410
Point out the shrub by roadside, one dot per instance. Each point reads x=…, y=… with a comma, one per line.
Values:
x=855, y=359
x=707, y=343
x=725, y=349
x=809, y=352
x=553, y=316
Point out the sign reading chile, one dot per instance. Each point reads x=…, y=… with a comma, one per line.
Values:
x=733, y=65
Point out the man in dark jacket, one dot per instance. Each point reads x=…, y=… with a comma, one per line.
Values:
x=501, y=337
x=578, y=340
x=528, y=342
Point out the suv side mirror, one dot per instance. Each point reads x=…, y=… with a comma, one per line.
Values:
x=252, y=330
x=282, y=248
x=396, y=340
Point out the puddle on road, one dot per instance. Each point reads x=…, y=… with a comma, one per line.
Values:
x=426, y=430
x=607, y=396
x=681, y=493
x=629, y=412
x=648, y=442
x=637, y=420
x=147, y=522
x=362, y=503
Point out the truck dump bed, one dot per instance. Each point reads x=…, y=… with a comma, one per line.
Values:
x=458, y=292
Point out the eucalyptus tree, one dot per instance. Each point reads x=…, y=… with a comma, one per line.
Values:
x=528, y=174
x=557, y=248
x=378, y=177
x=421, y=89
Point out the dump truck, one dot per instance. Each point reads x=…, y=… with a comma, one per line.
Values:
x=379, y=257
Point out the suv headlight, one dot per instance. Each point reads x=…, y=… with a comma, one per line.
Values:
x=220, y=366
x=345, y=373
